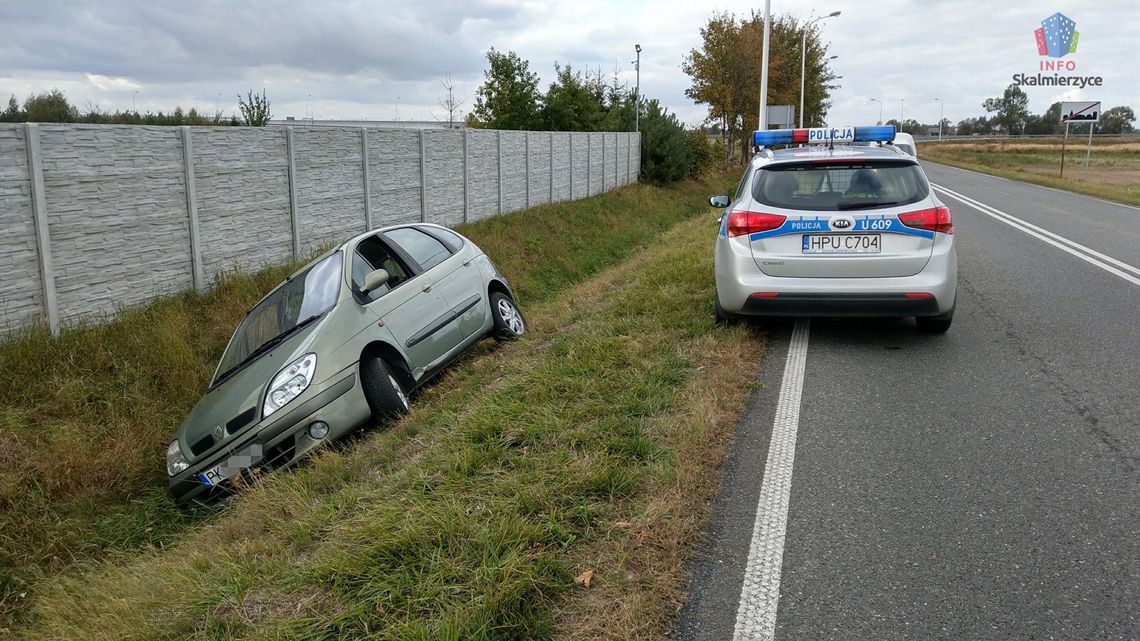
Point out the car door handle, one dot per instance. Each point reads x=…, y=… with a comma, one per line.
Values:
x=467, y=262
x=426, y=288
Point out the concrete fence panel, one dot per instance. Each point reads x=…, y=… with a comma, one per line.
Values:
x=483, y=173
x=444, y=176
x=124, y=247
x=242, y=187
x=21, y=293
x=540, y=167
x=330, y=185
x=514, y=170
x=394, y=161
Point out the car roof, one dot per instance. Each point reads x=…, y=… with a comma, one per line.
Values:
x=815, y=152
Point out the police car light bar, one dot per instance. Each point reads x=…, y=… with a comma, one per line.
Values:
x=878, y=133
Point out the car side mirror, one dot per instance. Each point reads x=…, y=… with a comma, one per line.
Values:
x=374, y=280
x=720, y=201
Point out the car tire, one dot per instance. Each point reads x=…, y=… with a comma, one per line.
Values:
x=935, y=324
x=723, y=318
x=383, y=391
x=509, y=322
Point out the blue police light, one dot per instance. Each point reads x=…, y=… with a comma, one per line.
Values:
x=878, y=133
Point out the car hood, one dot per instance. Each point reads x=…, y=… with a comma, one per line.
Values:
x=233, y=400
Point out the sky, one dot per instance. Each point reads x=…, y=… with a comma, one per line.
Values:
x=382, y=60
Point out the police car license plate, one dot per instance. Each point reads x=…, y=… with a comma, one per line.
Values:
x=842, y=243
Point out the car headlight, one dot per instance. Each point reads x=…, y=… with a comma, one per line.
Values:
x=289, y=383
x=175, y=462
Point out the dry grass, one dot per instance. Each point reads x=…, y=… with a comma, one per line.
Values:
x=1113, y=173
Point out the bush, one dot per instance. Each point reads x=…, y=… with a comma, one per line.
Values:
x=702, y=152
x=666, y=148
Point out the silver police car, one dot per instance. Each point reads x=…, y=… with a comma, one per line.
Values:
x=835, y=229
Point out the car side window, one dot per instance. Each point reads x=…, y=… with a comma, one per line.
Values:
x=423, y=249
x=743, y=185
x=371, y=254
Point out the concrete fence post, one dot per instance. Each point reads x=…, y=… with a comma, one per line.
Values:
x=39, y=219
x=293, y=193
x=423, y=176
x=367, y=189
x=466, y=174
x=550, y=139
x=589, y=164
x=499, y=153
x=603, y=162
x=628, y=158
x=192, y=209
x=571, y=134
x=527, y=169
x=615, y=160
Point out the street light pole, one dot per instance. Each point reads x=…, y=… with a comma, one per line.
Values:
x=880, y=109
x=941, y=105
x=763, y=121
x=637, y=91
x=803, y=59
x=902, y=101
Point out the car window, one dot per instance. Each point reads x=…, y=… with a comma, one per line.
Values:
x=371, y=254
x=452, y=239
x=423, y=249
x=743, y=185
x=838, y=187
x=905, y=147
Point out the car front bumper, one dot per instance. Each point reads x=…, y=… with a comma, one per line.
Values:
x=741, y=288
x=281, y=439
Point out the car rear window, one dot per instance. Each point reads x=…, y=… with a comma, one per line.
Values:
x=835, y=186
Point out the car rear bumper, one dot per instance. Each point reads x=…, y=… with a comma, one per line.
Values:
x=279, y=441
x=741, y=288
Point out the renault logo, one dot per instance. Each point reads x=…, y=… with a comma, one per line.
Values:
x=842, y=222
x=219, y=431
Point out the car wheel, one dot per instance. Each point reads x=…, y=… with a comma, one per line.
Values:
x=935, y=324
x=509, y=323
x=723, y=317
x=385, y=395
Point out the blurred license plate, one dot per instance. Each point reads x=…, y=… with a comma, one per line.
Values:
x=842, y=243
x=241, y=460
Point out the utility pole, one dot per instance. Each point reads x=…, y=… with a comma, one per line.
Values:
x=880, y=109
x=637, y=91
x=763, y=121
x=941, y=105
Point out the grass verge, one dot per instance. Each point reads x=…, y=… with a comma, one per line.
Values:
x=89, y=414
x=1113, y=174
x=591, y=445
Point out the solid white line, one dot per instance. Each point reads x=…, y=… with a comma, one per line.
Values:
x=1091, y=256
x=756, y=617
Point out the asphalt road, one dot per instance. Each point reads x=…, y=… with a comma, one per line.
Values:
x=983, y=484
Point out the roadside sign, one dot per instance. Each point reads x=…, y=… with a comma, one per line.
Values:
x=781, y=116
x=1080, y=111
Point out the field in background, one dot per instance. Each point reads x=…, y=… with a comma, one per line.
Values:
x=592, y=445
x=1113, y=172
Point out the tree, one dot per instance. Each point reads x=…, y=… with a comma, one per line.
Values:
x=1117, y=120
x=13, y=113
x=974, y=126
x=725, y=72
x=508, y=97
x=1046, y=124
x=51, y=106
x=702, y=152
x=450, y=104
x=1011, y=110
x=666, y=148
x=573, y=102
x=254, y=109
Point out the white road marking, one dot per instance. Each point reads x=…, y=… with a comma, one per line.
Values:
x=1109, y=264
x=756, y=617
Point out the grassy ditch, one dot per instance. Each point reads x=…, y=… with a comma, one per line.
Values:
x=589, y=447
x=88, y=415
x=1113, y=173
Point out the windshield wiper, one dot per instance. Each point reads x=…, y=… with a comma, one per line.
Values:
x=264, y=347
x=863, y=204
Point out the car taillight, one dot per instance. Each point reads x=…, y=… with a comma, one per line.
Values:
x=934, y=219
x=741, y=223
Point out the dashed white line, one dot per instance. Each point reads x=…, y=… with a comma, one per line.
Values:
x=760, y=595
x=1109, y=264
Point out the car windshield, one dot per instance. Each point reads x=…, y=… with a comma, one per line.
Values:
x=840, y=186
x=299, y=299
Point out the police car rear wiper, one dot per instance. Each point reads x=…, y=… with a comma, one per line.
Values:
x=863, y=204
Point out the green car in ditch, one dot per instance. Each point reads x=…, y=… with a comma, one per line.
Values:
x=344, y=340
